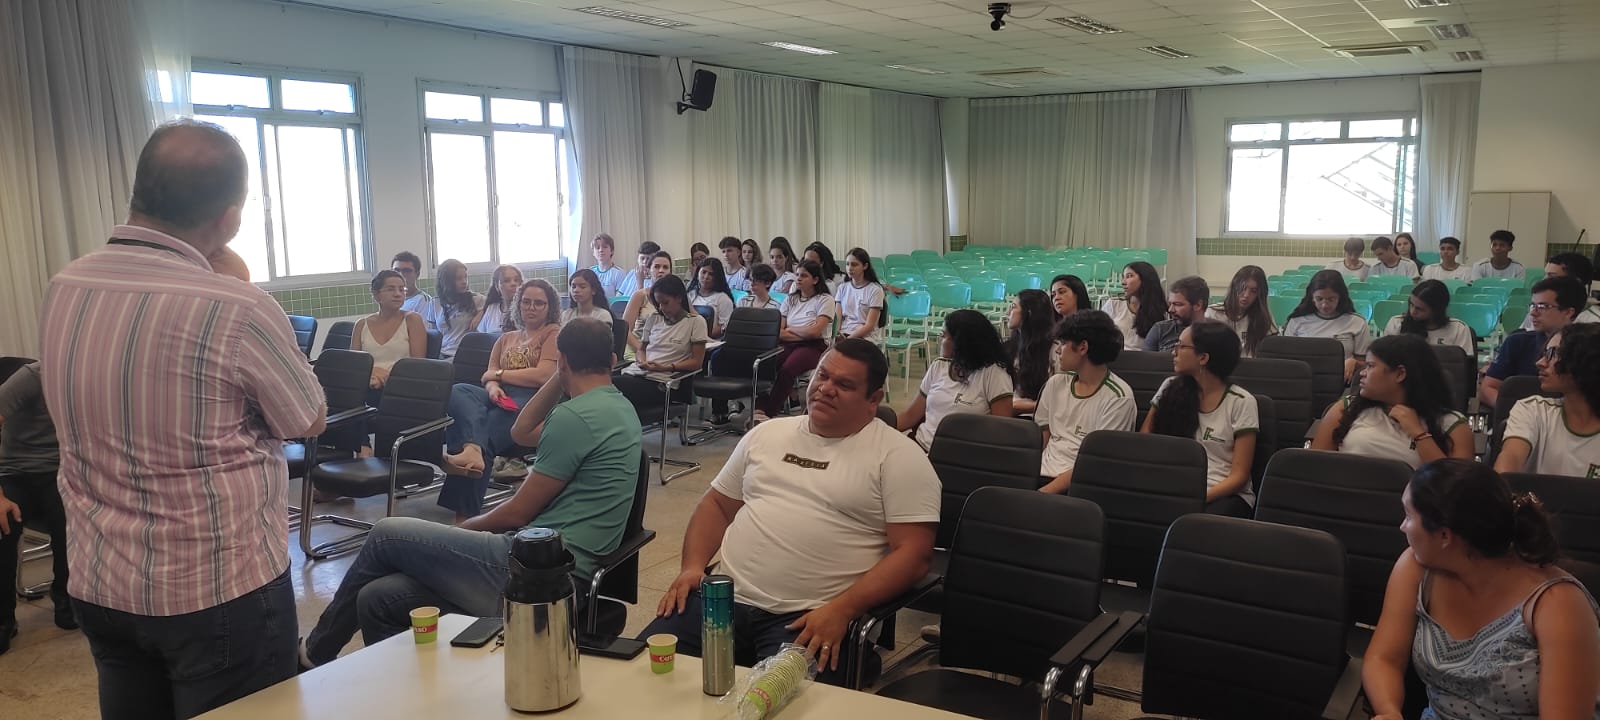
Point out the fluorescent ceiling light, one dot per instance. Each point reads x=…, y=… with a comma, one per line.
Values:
x=1000, y=84
x=1421, y=4
x=616, y=14
x=1225, y=70
x=1467, y=55
x=807, y=49
x=1086, y=25
x=915, y=69
x=1451, y=31
x=1167, y=52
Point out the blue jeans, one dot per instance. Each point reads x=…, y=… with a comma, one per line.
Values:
x=183, y=665
x=486, y=425
x=407, y=563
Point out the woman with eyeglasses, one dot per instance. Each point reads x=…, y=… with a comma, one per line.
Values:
x=1199, y=402
x=1401, y=411
x=1560, y=435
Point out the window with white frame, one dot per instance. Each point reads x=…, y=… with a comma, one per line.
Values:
x=1331, y=176
x=496, y=163
x=301, y=133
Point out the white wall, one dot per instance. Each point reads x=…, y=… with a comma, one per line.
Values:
x=1539, y=129
x=390, y=56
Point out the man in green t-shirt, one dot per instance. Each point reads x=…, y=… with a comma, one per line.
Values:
x=582, y=483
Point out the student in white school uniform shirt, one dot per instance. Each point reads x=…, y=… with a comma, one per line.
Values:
x=1199, y=403
x=1086, y=396
x=861, y=299
x=1326, y=311
x=1143, y=303
x=733, y=263
x=1390, y=262
x=1402, y=411
x=1578, y=267
x=712, y=291
x=1559, y=436
x=1351, y=266
x=1499, y=263
x=1448, y=267
x=1427, y=317
x=584, y=298
x=970, y=376
x=760, y=295
x=610, y=275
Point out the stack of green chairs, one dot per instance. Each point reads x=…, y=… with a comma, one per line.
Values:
x=1508, y=283
x=1019, y=280
x=900, y=261
x=949, y=297
x=1455, y=285
x=1390, y=282
x=1371, y=296
x=1363, y=308
x=908, y=314
x=1483, y=318
x=989, y=296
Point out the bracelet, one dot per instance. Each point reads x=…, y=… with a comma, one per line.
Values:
x=1420, y=438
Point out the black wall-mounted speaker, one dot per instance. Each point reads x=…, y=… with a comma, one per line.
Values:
x=701, y=92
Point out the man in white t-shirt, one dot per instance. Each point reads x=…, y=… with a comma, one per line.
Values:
x=1086, y=396
x=733, y=263
x=1352, y=267
x=1389, y=260
x=1499, y=263
x=1448, y=267
x=818, y=518
x=409, y=266
x=1559, y=436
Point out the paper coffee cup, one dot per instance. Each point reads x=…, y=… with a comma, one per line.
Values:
x=663, y=651
x=425, y=624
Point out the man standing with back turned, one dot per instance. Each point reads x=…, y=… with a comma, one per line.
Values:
x=172, y=389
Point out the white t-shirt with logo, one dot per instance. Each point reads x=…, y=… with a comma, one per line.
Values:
x=1374, y=434
x=602, y=314
x=1454, y=333
x=948, y=396
x=739, y=279
x=721, y=305
x=610, y=281
x=1437, y=272
x=1236, y=415
x=1358, y=274
x=1556, y=449
x=784, y=283
x=1241, y=327
x=1069, y=418
x=751, y=301
x=800, y=313
x=816, y=509
x=1404, y=267
x=1486, y=269
x=854, y=305
x=1349, y=329
x=670, y=342
x=1122, y=315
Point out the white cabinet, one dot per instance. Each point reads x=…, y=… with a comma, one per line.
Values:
x=1525, y=214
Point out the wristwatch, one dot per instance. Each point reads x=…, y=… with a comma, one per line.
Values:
x=499, y=372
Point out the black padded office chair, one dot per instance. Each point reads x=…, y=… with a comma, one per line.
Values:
x=344, y=376
x=750, y=343
x=1266, y=439
x=1144, y=372
x=1142, y=483
x=435, y=344
x=888, y=415
x=1516, y=387
x=616, y=575
x=305, y=332
x=472, y=357
x=1288, y=383
x=409, y=437
x=1010, y=612
x=36, y=544
x=676, y=393
x=339, y=335
x=1576, y=504
x=1461, y=374
x=708, y=314
x=1325, y=357
x=618, y=307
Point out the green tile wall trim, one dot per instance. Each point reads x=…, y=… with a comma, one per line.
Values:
x=1270, y=247
x=1586, y=249
x=356, y=298
x=957, y=243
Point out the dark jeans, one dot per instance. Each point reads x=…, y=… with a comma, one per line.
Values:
x=183, y=665
x=757, y=634
x=485, y=424
x=1231, y=506
x=41, y=507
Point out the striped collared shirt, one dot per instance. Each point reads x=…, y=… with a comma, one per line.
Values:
x=171, y=388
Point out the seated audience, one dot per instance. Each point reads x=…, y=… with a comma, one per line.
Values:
x=861, y=298
x=1427, y=317
x=674, y=341
x=711, y=290
x=1086, y=396
x=640, y=306
x=604, y=248
x=808, y=312
x=698, y=253
x=760, y=296
x=1575, y=266
x=1326, y=311
x=1559, y=436
x=404, y=334
x=817, y=518
x=1199, y=402
x=819, y=253
x=583, y=292
x=1556, y=303
x=522, y=361
x=582, y=484
x=1141, y=305
x=784, y=263
x=733, y=263
x=1448, y=267
x=1499, y=263
x=1390, y=261
x=641, y=276
x=1402, y=410
x=29, y=459
x=454, y=313
x=972, y=375
x=1068, y=295
x=497, y=313
x=1351, y=267
x=1030, y=347
x=1244, y=311
x=409, y=266
x=1477, y=607
x=1406, y=246
x=1186, y=303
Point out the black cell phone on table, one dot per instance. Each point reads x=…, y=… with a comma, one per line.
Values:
x=479, y=633
x=610, y=646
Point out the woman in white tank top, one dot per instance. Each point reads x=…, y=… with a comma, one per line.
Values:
x=391, y=333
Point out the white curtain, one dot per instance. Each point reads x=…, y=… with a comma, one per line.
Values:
x=1106, y=169
x=882, y=181
x=1449, y=137
x=771, y=155
x=79, y=93
x=607, y=95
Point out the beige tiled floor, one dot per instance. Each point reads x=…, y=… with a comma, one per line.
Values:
x=49, y=675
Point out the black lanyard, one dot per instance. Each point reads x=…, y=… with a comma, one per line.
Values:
x=147, y=244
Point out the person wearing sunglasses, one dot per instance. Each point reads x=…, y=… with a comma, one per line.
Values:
x=1556, y=302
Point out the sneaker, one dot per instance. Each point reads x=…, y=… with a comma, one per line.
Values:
x=510, y=468
x=721, y=420
x=64, y=618
x=303, y=660
x=930, y=634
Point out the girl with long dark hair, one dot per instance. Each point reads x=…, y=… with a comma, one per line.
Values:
x=861, y=298
x=972, y=375
x=782, y=258
x=1402, y=411
x=1199, y=402
x=1068, y=295
x=1426, y=317
x=1407, y=247
x=1031, y=320
x=674, y=341
x=819, y=253
x=1559, y=435
x=1142, y=304
x=498, y=314
x=454, y=311
x=584, y=291
x=1326, y=311
x=806, y=314
x=642, y=305
x=1245, y=309
x=711, y=290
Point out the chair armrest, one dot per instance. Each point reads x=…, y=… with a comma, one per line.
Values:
x=775, y=351
x=1346, y=692
x=858, y=634
x=1097, y=639
x=412, y=433
x=345, y=417
x=628, y=548
x=911, y=595
x=671, y=382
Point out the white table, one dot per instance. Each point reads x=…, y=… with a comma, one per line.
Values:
x=398, y=679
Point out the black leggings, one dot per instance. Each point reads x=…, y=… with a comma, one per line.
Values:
x=1231, y=506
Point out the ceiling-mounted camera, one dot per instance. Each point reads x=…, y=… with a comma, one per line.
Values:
x=999, y=12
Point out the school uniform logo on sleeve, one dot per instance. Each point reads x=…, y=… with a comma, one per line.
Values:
x=806, y=463
x=1207, y=436
x=1594, y=472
